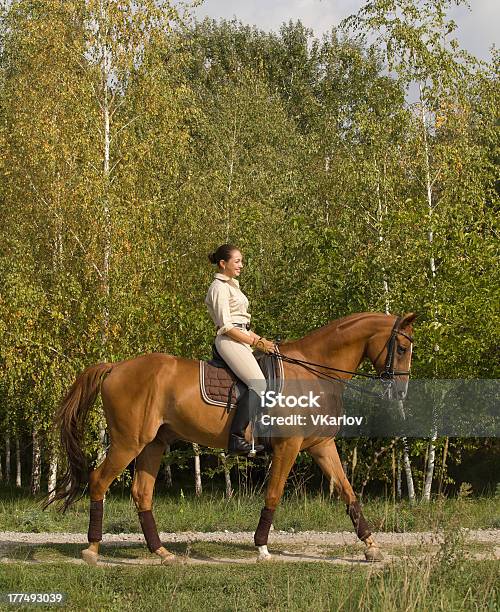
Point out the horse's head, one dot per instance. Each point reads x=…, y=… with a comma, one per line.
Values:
x=390, y=351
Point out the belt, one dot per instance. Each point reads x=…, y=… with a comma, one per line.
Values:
x=242, y=325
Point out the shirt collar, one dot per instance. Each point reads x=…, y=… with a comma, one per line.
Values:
x=223, y=277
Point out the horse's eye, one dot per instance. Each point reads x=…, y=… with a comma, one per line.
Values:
x=401, y=350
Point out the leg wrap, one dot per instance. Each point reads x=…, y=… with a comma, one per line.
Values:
x=149, y=530
x=265, y=522
x=95, y=523
x=358, y=520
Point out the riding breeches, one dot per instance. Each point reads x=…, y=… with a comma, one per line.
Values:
x=239, y=357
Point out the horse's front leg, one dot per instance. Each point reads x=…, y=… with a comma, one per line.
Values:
x=284, y=454
x=326, y=456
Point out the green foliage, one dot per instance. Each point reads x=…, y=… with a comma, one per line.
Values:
x=305, y=152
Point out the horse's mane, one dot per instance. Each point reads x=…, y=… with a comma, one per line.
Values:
x=337, y=326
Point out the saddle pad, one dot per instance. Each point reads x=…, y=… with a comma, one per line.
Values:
x=215, y=383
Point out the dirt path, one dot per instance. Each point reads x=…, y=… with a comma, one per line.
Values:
x=200, y=548
x=342, y=538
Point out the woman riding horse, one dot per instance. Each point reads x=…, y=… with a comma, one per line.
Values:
x=154, y=399
x=228, y=308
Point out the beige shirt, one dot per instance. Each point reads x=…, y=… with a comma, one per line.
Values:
x=226, y=303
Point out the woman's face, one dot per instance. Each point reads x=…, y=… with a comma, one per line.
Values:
x=232, y=267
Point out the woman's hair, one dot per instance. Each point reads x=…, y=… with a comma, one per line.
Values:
x=223, y=252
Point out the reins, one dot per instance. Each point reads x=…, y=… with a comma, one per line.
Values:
x=386, y=376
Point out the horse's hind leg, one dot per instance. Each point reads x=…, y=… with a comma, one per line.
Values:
x=326, y=456
x=146, y=470
x=100, y=479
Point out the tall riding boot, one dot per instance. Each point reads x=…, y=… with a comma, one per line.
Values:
x=247, y=406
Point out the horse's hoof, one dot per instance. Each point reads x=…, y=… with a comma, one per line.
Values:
x=90, y=557
x=168, y=558
x=373, y=554
x=265, y=558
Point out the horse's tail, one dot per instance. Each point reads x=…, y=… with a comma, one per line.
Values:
x=70, y=421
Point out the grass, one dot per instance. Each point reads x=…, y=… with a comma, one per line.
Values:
x=300, y=586
x=431, y=578
x=212, y=512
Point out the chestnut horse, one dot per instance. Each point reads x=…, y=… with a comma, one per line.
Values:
x=152, y=400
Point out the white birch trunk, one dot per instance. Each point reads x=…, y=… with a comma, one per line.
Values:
x=393, y=462
x=230, y=180
x=18, y=464
x=106, y=131
x=408, y=474
x=36, y=463
x=354, y=462
x=381, y=210
x=428, y=188
x=7, y=457
x=443, y=465
x=52, y=479
x=398, y=481
x=197, y=471
x=227, y=477
x=101, y=453
x=168, y=470
x=431, y=455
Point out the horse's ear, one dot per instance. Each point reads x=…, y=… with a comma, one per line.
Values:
x=407, y=320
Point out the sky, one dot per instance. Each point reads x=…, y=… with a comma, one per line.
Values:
x=476, y=31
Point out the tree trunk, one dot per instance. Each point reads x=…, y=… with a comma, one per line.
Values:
x=197, y=471
x=381, y=211
x=409, y=476
x=101, y=453
x=36, y=464
x=428, y=187
x=18, y=464
x=105, y=106
x=443, y=465
x=51, y=484
x=230, y=178
x=354, y=462
x=168, y=470
x=398, y=482
x=227, y=477
x=393, y=475
x=426, y=493
x=431, y=458
x=7, y=457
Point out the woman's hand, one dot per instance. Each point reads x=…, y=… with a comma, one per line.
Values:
x=265, y=345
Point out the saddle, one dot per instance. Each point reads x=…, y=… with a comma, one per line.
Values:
x=221, y=387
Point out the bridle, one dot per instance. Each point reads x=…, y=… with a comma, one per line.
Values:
x=387, y=375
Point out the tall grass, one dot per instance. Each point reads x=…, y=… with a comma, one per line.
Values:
x=408, y=587
x=179, y=511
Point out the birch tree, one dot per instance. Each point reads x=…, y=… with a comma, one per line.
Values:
x=415, y=38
